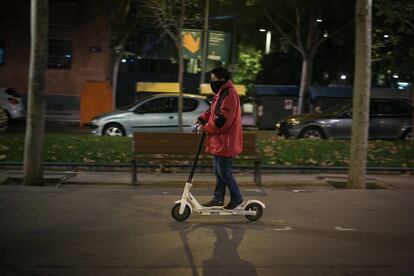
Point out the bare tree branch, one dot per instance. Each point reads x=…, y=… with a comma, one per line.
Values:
x=338, y=30
x=297, y=30
x=409, y=23
x=169, y=16
x=312, y=33
x=288, y=21
x=280, y=30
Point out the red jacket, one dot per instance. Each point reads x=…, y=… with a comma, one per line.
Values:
x=228, y=139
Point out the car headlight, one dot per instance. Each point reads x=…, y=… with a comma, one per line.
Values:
x=278, y=125
x=293, y=121
x=94, y=121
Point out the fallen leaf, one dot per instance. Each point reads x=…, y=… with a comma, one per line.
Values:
x=268, y=150
x=86, y=160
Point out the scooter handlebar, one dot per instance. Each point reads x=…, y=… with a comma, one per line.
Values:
x=195, y=127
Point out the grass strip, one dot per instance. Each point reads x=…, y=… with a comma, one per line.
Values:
x=273, y=150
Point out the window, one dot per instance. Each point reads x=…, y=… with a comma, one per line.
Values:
x=12, y=92
x=389, y=108
x=189, y=104
x=60, y=54
x=161, y=105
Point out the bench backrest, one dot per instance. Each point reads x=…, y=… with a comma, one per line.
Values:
x=180, y=143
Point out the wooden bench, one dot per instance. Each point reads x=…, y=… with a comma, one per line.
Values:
x=178, y=149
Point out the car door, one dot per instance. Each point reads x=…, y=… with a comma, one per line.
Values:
x=158, y=115
x=342, y=121
x=342, y=125
x=190, y=113
x=387, y=119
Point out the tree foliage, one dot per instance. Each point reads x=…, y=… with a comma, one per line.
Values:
x=393, y=37
x=248, y=64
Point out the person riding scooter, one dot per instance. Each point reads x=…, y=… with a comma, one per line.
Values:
x=223, y=126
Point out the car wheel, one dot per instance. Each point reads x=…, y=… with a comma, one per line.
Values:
x=408, y=135
x=113, y=129
x=312, y=133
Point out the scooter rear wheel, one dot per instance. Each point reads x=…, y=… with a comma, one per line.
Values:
x=175, y=212
x=254, y=207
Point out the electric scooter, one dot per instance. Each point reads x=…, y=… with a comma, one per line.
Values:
x=251, y=209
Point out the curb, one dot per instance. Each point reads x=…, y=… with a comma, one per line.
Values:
x=126, y=167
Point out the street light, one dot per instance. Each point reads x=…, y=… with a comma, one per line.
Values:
x=268, y=39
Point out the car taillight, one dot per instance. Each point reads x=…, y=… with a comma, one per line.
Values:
x=13, y=101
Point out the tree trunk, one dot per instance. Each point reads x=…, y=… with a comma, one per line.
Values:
x=180, y=83
x=34, y=141
x=412, y=120
x=362, y=88
x=305, y=82
x=115, y=71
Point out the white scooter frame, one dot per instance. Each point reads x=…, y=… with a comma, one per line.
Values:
x=252, y=209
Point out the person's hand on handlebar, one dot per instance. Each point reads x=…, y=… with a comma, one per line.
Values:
x=200, y=128
x=197, y=128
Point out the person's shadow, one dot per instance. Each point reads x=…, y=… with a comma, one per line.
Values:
x=225, y=259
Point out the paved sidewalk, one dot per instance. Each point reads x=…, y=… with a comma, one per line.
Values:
x=124, y=230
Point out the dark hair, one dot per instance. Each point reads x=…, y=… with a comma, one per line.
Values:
x=221, y=73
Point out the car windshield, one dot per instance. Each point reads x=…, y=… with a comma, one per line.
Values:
x=142, y=98
x=12, y=92
x=128, y=106
x=339, y=108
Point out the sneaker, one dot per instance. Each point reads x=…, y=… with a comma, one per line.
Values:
x=233, y=205
x=214, y=203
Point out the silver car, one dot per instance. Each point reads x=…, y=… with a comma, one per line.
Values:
x=389, y=119
x=12, y=103
x=157, y=113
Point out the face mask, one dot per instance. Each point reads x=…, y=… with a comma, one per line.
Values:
x=216, y=85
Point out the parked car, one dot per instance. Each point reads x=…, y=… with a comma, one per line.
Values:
x=11, y=101
x=3, y=120
x=389, y=119
x=156, y=113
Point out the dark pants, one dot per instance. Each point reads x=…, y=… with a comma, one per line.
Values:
x=224, y=177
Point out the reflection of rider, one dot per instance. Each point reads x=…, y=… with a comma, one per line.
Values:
x=222, y=123
x=225, y=256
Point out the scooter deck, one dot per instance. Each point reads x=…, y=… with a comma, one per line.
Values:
x=222, y=211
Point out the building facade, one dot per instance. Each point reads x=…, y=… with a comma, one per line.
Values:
x=79, y=49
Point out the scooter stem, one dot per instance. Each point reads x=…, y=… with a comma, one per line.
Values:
x=200, y=145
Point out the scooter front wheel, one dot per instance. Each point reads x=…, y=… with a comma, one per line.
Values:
x=254, y=207
x=175, y=212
